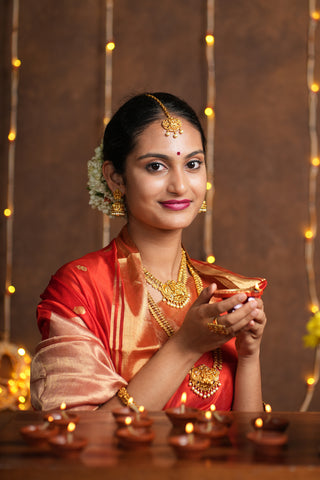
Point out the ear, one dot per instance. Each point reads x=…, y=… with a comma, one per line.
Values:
x=114, y=179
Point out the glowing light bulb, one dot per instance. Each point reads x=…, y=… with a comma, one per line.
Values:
x=308, y=234
x=211, y=259
x=310, y=381
x=209, y=185
x=11, y=289
x=7, y=212
x=314, y=87
x=315, y=161
x=209, y=112
x=110, y=46
x=12, y=136
x=21, y=351
x=16, y=62
x=210, y=39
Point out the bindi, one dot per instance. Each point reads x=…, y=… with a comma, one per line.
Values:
x=178, y=153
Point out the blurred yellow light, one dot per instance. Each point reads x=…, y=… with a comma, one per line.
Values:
x=11, y=289
x=314, y=308
x=189, y=427
x=315, y=161
x=22, y=399
x=310, y=381
x=110, y=46
x=314, y=87
x=22, y=406
x=16, y=62
x=21, y=351
x=309, y=234
x=106, y=120
x=211, y=259
x=210, y=39
x=315, y=15
x=12, y=136
x=209, y=185
x=209, y=111
x=7, y=212
x=267, y=408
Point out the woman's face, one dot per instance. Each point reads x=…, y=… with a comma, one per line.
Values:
x=165, y=178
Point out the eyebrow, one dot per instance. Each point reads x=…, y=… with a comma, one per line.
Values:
x=166, y=157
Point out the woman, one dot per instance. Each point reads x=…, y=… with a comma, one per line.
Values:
x=139, y=319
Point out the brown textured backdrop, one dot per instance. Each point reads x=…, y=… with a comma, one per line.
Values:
x=261, y=146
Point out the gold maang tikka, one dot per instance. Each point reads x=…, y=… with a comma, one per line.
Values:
x=170, y=124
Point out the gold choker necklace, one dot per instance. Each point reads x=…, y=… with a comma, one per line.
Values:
x=203, y=380
x=173, y=293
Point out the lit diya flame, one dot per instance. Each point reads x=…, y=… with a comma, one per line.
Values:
x=128, y=422
x=259, y=424
x=189, y=431
x=71, y=428
x=63, y=407
x=208, y=415
x=141, y=409
x=268, y=408
x=183, y=402
x=213, y=408
x=132, y=405
x=256, y=287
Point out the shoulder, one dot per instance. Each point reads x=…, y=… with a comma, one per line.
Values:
x=89, y=269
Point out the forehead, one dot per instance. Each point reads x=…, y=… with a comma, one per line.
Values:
x=153, y=139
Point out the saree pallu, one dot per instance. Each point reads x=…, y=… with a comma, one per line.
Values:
x=97, y=332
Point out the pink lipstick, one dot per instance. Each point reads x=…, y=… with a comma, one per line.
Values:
x=176, y=204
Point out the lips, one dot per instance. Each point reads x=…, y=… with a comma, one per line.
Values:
x=176, y=204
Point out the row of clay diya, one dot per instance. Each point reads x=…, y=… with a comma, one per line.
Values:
x=193, y=431
x=57, y=431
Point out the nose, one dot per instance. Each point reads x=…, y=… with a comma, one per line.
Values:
x=177, y=182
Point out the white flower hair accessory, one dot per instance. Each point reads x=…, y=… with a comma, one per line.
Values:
x=100, y=195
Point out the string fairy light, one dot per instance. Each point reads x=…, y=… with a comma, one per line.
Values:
x=311, y=232
x=110, y=46
x=15, y=384
x=210, y=115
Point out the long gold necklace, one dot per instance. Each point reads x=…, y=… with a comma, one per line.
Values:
x=203, y=380
x=173, y=293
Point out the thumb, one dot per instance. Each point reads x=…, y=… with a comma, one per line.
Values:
x=206, y=294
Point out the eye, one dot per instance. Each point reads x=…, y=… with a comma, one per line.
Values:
x=155, y=167
x=194, y=164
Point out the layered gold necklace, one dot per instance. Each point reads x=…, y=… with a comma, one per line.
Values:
x=203, y=380
x=173, y=293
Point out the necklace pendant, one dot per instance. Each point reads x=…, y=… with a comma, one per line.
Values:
x=175, y=294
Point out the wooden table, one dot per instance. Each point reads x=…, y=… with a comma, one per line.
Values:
x=236, y=458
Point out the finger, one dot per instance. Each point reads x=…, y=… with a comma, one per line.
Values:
x=206, y=295
x=214, y=309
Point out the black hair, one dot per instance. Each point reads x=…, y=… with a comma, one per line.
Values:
x=134, y=116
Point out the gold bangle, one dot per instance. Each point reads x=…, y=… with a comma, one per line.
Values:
x=126, y=399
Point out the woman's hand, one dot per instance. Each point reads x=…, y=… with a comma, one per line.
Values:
x=249, y=338
x=195, y=335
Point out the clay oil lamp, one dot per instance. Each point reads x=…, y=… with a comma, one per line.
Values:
x=180, y=416
x=266, y=441
x=132, y=436
x=62, y=417
x=208, y=426
x=67, y=444
x=38, y=435
x=188, y=445
x=138, y=414
x=272, y=422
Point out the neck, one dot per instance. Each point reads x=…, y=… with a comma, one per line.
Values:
x=160, y=250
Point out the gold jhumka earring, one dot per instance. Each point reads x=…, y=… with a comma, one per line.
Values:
x=118, y=208
x=203, y=207
x=170, y=124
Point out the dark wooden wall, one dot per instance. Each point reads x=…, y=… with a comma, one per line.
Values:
x=261, y=146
